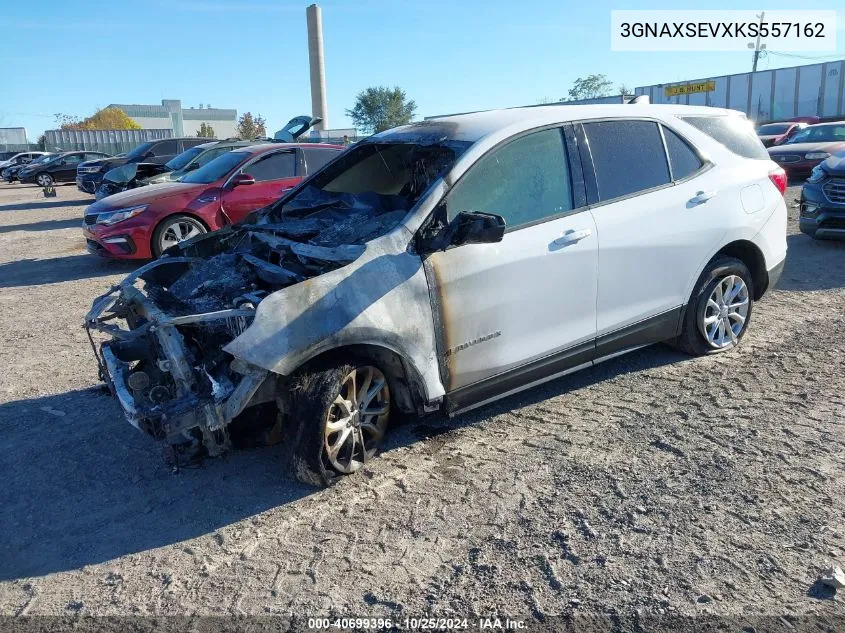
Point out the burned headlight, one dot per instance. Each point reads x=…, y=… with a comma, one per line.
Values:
x=119, y=215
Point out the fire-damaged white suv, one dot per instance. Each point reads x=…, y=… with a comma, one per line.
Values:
x=442, y=265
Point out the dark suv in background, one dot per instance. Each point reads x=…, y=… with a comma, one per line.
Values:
x=823, y=199
x=60, y=168
x=90, y=174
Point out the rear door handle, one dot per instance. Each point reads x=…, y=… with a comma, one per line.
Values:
x=571, y=236
x=701, y=197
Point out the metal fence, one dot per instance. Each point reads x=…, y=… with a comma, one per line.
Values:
x=109, y=141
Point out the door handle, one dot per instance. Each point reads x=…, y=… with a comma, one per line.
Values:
x=701, y=197
x=571, y=237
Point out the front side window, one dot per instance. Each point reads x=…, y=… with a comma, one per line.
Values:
x=628, y=157
x=273, y=167
x=72, y=159
x=524, y=181
x=682, y=159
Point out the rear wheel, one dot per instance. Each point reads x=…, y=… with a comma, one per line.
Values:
x=340, y=416
x=173, y=230
x=719, y=309
x=44, y=180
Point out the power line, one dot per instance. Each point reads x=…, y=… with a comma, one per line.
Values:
x=809, y=57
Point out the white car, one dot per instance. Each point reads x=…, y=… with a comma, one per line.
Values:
x=445, y=264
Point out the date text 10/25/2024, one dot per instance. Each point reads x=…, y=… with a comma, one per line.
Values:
x=417, y=624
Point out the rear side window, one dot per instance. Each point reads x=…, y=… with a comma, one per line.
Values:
x=683, y=161
x=734, y=132
x=279, y=165
x=524, y=181
x=628, y=157
x=165, y=148
x=317, y=157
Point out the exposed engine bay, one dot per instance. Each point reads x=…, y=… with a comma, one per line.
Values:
x=169, y=321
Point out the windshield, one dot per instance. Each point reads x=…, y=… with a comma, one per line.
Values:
x=773, y=128
x=819, y=134
x=216, y=169
x=180, y=160
x=139, y=151
x=363, y=194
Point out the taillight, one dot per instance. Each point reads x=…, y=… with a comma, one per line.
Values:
x=778, y=178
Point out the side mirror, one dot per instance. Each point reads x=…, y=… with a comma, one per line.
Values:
x=467, y=228
x=478, y=228
x=239, y=180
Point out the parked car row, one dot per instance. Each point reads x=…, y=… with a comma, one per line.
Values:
x=144, y=222
x=809, y=147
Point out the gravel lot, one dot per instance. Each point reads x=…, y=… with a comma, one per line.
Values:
x=652, y=482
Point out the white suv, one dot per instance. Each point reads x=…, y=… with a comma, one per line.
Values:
x=445, y=264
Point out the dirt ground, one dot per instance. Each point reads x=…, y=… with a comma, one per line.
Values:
x=653, y=482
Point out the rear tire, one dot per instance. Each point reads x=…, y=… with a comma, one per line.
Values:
x=177, y=228
x=340, y=415
x=719, y=310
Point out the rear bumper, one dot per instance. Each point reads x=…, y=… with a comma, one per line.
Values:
x=775, y=275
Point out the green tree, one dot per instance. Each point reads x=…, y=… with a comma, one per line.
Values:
x=102, y=119
x=42, y=143
x=590, y=87
x=625, y=90
x=379, y=108
x=250, y=127
x=205, y=131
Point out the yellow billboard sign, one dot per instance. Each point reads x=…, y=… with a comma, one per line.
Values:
x=685, y=89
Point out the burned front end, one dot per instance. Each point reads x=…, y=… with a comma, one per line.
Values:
x=166, y=325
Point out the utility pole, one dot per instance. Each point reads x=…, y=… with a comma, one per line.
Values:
x=757, y=47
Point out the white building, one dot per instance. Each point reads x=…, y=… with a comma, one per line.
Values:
x=183, y=121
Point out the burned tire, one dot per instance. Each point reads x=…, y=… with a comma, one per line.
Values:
x=177, y=228
x=719, y=310
x=339, y=416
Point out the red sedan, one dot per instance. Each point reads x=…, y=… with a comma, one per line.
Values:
x=141, y=223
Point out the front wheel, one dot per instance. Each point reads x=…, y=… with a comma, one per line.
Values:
x=44, y=180
x=340, y=416
x=719, y=310
x=173, y=230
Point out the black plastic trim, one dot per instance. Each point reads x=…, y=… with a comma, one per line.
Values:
x=493, y=387
x=661, y=327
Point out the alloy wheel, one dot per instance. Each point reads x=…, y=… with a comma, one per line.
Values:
x=356, y=420
x=726, y=312
x=179, y=232
x=44, y=180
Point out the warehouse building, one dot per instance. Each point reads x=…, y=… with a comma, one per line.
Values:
x=766, y=95
x=182, y=121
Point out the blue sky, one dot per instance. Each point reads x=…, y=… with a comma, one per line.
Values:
x=449, y=56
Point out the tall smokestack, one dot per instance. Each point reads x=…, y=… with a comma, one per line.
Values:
x=314, y=17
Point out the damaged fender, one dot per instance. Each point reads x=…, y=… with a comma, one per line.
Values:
x=381, y=299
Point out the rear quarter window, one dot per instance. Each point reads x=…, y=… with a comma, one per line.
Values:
x=733, y=132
